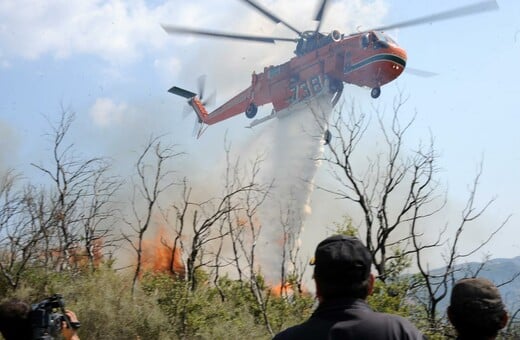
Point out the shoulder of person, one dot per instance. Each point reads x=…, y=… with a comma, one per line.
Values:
x=401, y=324
x=310, y=329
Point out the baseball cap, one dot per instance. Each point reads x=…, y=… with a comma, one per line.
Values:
x=341, y=257
x=476, y=294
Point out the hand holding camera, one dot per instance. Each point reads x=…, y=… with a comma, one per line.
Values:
x=49, y=319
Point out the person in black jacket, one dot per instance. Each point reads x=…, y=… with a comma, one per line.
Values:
x=476, y=309
x=343, y=281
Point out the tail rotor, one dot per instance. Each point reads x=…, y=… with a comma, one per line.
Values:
x=197, y=102
x=209, y=101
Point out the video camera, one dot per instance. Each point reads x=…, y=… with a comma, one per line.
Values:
x=47, y=317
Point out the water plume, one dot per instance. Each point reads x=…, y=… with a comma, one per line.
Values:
x=294, y=143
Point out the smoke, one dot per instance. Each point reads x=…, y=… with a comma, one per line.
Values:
x=9, y=146
x=292, y=146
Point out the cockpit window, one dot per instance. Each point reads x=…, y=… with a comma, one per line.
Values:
x=365, y=40
x=390, y=40
x=380, y=40
x=384, y=37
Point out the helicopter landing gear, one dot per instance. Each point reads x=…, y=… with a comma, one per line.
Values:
x=327, y=137
x=335, y=85
x=251, y=110
x=376, y=92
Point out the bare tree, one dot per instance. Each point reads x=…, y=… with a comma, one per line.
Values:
x=205, y=215
x=245, y=229
x=99, y=216
x=244, y=224
x=396, y=191
x=433, y=286
x=389, y=187
x=153, y=179
x=291, y=276
x=204, y=227
x=181, y=214
x=77, y=200
x=17, y=241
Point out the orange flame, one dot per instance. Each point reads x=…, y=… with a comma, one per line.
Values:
x=285, y=289
x=78, y=256
x=159, y=255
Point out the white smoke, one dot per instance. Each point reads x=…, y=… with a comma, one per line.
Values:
x=9, y=147
x=292, y=145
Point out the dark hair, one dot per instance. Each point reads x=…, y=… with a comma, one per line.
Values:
x=352, y=286
x=15, y=323
x=477, y=325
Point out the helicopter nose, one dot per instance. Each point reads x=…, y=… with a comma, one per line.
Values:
x=399, y=52
x=394, y=65
x=403, y=54
x=400, y=58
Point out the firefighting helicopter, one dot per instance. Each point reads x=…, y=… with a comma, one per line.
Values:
x=323, y=62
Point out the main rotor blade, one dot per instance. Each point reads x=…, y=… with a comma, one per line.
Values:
x=173, y=29
x=483, y=6
x=420, y=73
x=271, y=16
x=319, y=14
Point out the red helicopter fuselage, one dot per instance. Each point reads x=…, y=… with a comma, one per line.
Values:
x=368, y=60
x=323, y=63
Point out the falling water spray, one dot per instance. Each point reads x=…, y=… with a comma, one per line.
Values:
x=295, y=145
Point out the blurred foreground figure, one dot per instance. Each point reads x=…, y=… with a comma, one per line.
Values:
x=18, y=321
x=343, y=282
x=476, y=309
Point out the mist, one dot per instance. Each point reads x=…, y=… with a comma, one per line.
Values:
x=291, y=145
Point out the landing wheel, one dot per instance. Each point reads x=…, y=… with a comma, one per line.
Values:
x=376, y=91
x=335, y=85
x=251, y=110
x=327, y=137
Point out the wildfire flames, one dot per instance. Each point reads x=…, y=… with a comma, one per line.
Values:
x=160, y=257
x=77, y=255
x=282, y=290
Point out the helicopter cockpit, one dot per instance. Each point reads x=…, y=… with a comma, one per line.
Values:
x=377, y=39
x=312, y=40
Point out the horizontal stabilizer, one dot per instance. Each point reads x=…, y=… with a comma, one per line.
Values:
x=182, y=92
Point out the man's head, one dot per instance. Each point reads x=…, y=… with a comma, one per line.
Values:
x=476, y=308
x=15, y=320
x=342, y=268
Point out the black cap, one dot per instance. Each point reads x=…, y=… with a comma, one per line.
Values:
x=476, y=295
x=341, y=257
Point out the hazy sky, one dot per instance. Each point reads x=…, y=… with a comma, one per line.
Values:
x=111, y=63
